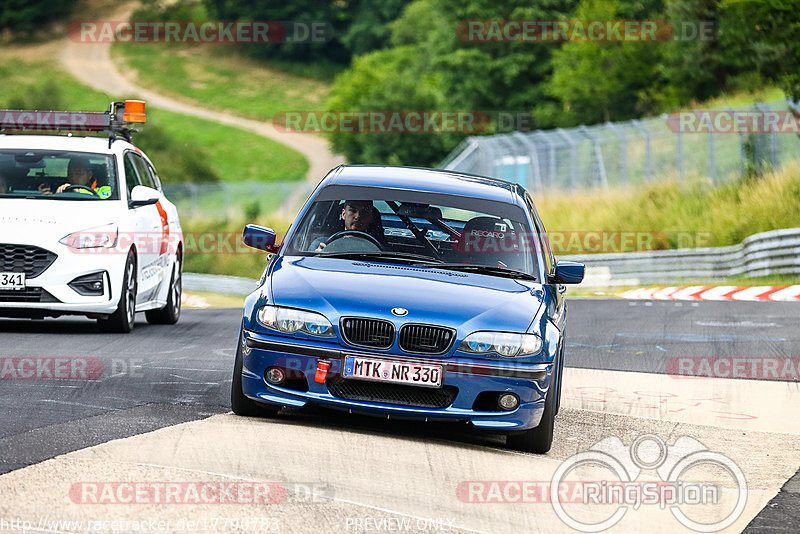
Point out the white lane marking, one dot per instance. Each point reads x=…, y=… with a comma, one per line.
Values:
x=337, y=499
x=735, y=324
x=77, y=404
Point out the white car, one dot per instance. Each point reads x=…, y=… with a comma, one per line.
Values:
x=84, y=226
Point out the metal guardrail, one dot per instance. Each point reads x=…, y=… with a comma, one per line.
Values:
x=215, y=283
x=764, y=254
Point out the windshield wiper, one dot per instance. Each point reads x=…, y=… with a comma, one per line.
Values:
x=486, y=269
x=408, y=257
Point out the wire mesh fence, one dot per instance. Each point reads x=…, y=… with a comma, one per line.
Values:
x=235, y=199
x=621, y=153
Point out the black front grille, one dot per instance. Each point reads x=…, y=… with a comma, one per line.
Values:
x=401, y=394
x=426, y=339
x=25, y=258
x=29, y=294
x=372, y=333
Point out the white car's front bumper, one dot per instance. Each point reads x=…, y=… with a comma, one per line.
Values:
x=56, y=296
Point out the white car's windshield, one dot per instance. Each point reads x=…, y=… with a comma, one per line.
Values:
x=450, y=232
x=57, y=175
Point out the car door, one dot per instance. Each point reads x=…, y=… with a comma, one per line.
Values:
x=147, y=230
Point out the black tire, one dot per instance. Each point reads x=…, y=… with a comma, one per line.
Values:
x=240, y=404
x=539, y=439
x=170, y=313
x=123, y=319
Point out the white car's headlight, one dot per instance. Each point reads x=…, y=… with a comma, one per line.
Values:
x=99, y=237
x=289, y=321
x=503, y=343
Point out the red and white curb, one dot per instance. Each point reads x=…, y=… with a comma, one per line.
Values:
x=759, y=293
x=194, y=301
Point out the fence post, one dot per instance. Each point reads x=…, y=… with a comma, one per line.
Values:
x=678, y=147
x=742, y=157
x=712, y=166
x=598, y=156
x=623, y=152
x=573, y=157
x=534, y=171
x=648, y=157
x=193, y=194
x=551, y=175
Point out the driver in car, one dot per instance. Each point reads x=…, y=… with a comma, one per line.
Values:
x=81, y=178
x=358, y=216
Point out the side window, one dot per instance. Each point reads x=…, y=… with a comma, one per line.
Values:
x=154, y=176
x=550, y=261
x=131, y=177
x=144, y=173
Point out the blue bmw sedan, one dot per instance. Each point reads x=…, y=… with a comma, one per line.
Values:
x=410, y=293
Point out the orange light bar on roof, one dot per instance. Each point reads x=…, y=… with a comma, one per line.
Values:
x=134, y=111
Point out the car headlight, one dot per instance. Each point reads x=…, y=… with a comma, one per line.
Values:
x=290, y=321
x=503, y=343
x=99, y=237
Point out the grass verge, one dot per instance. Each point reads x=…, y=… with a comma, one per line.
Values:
x=672, y=215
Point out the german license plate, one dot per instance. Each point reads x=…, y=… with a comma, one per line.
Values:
x=12, y=280
x=396, y=371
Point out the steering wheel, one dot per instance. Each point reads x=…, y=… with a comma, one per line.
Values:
x=79, y=186
x=354, y=233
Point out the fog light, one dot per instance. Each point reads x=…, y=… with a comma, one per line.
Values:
x=275, y=376
x=508, y=401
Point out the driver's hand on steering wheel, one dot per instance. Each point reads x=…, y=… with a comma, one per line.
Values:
x=320, y=247
x=62, y=187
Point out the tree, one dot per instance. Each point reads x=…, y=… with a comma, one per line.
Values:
x=28, y=16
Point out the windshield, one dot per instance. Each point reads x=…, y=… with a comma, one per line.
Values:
x=57, y=175
x=451, y=232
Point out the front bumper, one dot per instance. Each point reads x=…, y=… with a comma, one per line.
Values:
x=57, y=296
x=471, y=377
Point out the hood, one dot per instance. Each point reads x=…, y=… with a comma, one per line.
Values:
x=340, y=287
x=24, y=220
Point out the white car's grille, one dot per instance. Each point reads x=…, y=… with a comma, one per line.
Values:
x=27, y=259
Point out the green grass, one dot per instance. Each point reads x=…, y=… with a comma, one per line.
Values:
x=678, y=215
x=221, y=78
x=236, y=260
x=234, y=154
x=741, y=100
x=231, y=153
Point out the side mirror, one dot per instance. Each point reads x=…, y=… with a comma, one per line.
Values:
x=143, y=196
x=259, y=237
x=569, y=272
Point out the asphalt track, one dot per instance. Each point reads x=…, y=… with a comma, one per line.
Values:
x=153, y=406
